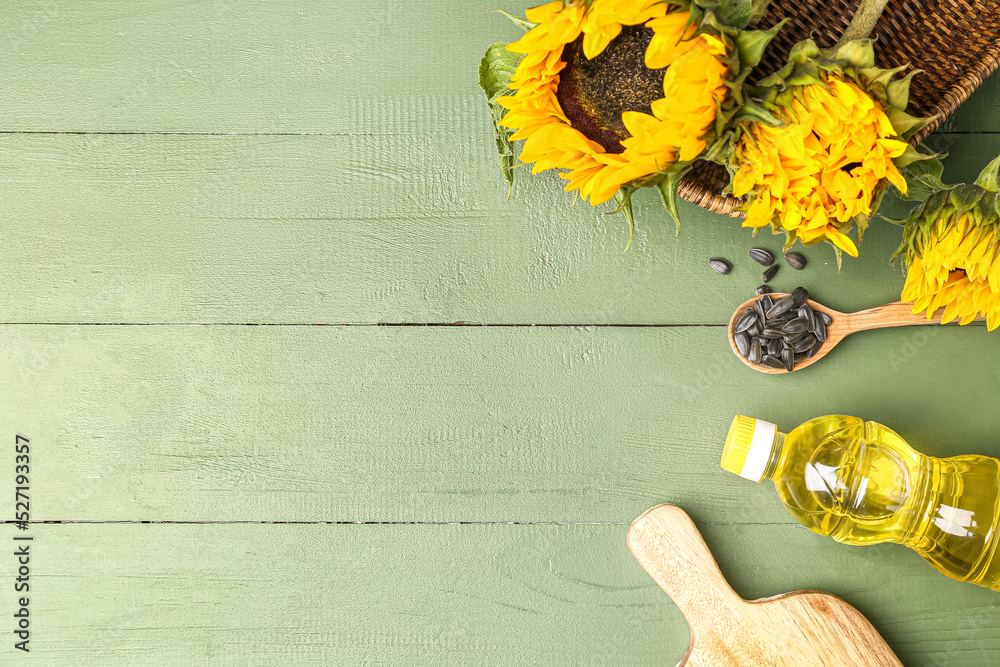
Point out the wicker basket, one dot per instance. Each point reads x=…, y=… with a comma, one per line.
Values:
x=955, y=42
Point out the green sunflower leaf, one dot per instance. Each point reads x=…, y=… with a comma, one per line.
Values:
x=754, y=111
x=898, y=91
x=750, y=44
x=989, y=178
x=963, y=197
x=668, y=194
x=495, y=70
x=734, y=13
x=523, y=24
x=624, y=199
x=858, y=53
x=879, y=77
x=922, y=173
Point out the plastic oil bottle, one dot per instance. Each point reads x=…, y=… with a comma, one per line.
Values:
x=860, y=483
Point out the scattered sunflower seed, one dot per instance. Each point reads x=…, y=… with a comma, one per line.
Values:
x=720, y=265
x=767, y=275
x=763, y=289
x=761, y=256
x=795, y=260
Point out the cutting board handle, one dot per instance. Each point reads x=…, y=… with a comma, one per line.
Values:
x=668, y=545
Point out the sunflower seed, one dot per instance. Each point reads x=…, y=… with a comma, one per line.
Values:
x=772, y=361
x=742, y=344
x=795, y=260
x=781, y=306
x=720, y=265
x=746, y=321
x=763, y=289
x=815, y=348
x=820, y=329
x=800, y=294
x=804, y=310
x=791, y=339
x=758, y=308
x=799, y=356
x=788, y=357
x=755, y=328
x=767, y=275
x=774, y=347
x=811, y=315
x=772, y=333
x=762, y=257
x=826, y=319
x=767, y=302
x=803, y=344
x=755, y=352
x=798, y=325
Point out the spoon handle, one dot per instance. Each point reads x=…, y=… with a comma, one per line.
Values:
x=898, y=314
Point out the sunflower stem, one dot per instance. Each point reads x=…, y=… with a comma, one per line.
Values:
x=864, y=21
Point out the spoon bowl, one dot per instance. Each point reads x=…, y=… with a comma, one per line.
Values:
x=898, y=314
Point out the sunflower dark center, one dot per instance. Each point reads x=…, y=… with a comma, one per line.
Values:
x=594, y=93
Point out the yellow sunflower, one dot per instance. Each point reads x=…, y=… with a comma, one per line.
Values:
x=951, y=245
x=820, y=170
x=838, y=142
x=570, y=125
x=621, y=94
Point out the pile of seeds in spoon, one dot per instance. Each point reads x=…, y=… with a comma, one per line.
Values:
x=780, y=333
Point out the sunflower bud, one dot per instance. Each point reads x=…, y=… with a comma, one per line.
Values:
x=951, y=251
x=835, y=139
x=621, y=94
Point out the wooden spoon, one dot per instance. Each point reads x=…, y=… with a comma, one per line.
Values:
x=897, y=314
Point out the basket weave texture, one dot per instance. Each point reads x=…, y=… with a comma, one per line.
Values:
x=955, y=42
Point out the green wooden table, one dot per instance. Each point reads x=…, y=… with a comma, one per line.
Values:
x=444, y=472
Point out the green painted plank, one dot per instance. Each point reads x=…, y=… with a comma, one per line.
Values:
x=250, y=595
x=216, y=423
x=369, y=229
x=261, y=67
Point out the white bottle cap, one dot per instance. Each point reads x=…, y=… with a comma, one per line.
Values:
x=748, y=447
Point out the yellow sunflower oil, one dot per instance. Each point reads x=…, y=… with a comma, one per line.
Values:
x=860, y=483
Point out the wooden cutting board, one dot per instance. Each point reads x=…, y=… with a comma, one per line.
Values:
x=800, y=629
